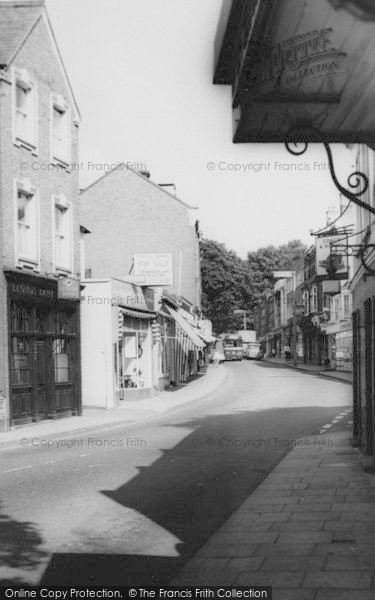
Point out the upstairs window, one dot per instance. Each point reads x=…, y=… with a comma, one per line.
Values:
x=27, y=223
x=306, y=302
x=60, y=130
x=63, y=233
x=314, y=298
x=25, y=109
x=347, y=306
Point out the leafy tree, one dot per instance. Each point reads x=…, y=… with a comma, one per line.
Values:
x=262, y=262
x=225, y=285
x=230, y=283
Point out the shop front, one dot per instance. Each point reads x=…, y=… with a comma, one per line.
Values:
x=340, y=347
x=188, y=346
x=43, y=348
x=133, y=364
x=119, y=358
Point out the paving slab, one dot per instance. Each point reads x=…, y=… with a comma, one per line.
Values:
x=310, y=535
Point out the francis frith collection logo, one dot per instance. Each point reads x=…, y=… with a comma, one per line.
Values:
x=294, y=60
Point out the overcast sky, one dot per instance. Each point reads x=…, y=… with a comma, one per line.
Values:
x=142, y=75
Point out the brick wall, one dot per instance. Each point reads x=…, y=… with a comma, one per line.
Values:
x=127, y=214
x=38, y=57
x=17, y=163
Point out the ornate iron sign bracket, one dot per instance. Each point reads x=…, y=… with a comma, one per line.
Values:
x=358, y=250
x=358, y=185
x=356, y=181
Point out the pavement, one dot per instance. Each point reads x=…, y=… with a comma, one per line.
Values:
x=128, y=412
x=345, y=376
x=308, y=530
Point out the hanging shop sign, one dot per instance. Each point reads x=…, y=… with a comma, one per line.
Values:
x=328, y=263
x=154, y=269
x=299, y=70
x=331, y=286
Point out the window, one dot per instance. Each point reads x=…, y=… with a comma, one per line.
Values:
x=63, y=233
x=314, y=298
x=337, y=308
x=61, y=355
x=306, y=302
x=347, y=307
x=25, y=109
x=27, y=223
x=20, y=361
x=60, y=130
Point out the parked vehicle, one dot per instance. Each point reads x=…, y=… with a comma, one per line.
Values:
x=233, y=347
x=253, y=351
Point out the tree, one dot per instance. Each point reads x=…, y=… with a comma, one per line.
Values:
x=262, y=263
x=225, y=285
x=230, y=283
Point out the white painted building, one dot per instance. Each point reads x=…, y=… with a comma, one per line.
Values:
x=119, y=360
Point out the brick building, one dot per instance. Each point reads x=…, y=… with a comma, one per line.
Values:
x=128, y=215
x=39, y=221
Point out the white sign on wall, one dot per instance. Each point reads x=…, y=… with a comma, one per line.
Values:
x=154, y=269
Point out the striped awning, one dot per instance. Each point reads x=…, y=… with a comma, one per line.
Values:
x=187, y=328
x=209, y=339
x=137, y=314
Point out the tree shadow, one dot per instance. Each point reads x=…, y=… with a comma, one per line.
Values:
x=20, y=547
x=190, y=491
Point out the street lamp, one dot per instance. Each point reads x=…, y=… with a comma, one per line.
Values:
x=241, y=311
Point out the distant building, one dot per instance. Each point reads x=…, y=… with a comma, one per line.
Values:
x=39, y=222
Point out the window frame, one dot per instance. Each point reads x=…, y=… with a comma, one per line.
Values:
x=314, y=299
x=26, y=261
x=346, y=314
x=61, y=201
x=21, y=76
x=60, y=102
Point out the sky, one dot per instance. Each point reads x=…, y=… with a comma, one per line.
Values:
x=142, y=75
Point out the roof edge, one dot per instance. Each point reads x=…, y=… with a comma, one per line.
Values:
x=149, y=181
x=45, y=17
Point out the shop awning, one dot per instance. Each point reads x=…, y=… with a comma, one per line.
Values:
x=187, y=328
x=138, y=314
x=209, y=339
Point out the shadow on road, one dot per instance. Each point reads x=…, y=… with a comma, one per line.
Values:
x=20, y=547
x=191, y=490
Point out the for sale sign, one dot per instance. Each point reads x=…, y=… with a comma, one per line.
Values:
x=154, y=269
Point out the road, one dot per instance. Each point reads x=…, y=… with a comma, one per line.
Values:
x=129, y=505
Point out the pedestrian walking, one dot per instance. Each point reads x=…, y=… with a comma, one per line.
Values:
x=216, y=357
x=287, y=352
